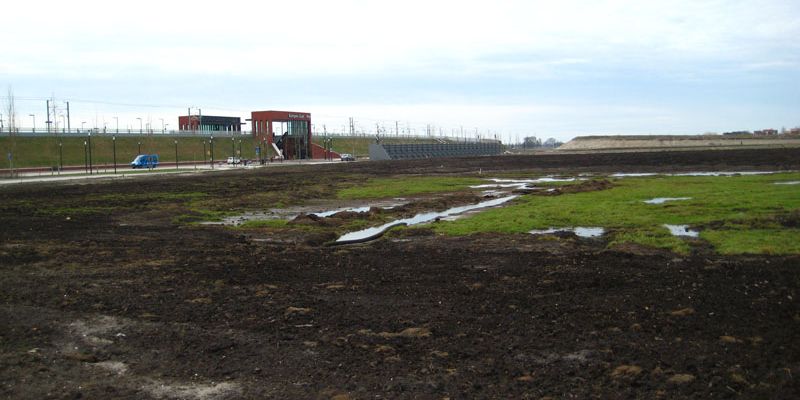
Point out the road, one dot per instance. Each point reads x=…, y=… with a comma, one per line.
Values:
x=123, y=172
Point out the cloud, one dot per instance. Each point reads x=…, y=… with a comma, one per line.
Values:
x=524, y=62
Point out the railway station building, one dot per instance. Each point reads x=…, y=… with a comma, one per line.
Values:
x=287, y=132
x=209, y=123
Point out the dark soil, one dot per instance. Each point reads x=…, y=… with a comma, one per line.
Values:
x=106, y=295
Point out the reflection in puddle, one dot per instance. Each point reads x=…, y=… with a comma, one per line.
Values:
x=520, y=183
x=715, y=173
x=325, y=214
x=291, y=213
x=418, y=219
x=587, y=232
x=681, y=230
x=661, y=200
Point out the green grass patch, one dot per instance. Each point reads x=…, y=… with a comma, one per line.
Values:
x=195, y=216
x=728, y=199
x=72, y=211
x=264, y=223
x=658, y=238
x=400, y=187
x=754, y=241
x=167, y=196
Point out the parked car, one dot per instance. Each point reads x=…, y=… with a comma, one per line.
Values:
x=347, y=157
x=145, y=161
x=234, y=160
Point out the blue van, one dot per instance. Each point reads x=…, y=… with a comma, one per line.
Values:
x=145, y=161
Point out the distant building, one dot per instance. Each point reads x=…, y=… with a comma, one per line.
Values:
x=209, y=123
x=766, y=132
x=737, y=133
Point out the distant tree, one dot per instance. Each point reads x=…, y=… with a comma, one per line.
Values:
x=552, y=142
x=531, y=142
x=11, y=111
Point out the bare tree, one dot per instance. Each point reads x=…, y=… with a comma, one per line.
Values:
x=11, y=111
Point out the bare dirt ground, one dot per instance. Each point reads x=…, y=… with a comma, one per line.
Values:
x=124, y=302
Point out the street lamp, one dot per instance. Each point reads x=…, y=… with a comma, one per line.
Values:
x=162, y=126
x=176, y=154
x=60, y=157
x=114, y=146
x=90, y=153
x=85, y=159
x=204, y=151
x=116, y=119
x=140, y=148
x=82, y=124
x=34, y=122
x=140, y=125
x=211, y=144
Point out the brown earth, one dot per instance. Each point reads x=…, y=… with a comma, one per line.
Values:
x=106, y=295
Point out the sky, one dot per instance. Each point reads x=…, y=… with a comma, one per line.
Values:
x=508, y=69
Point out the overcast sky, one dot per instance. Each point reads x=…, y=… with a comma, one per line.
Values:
x=512, y=68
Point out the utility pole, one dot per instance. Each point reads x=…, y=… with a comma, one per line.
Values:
x=352, y=136
x=211, y=144
x=114, y=145
x=47, y=121
x=68, y=125
x=90, y=153
x=326, y=141
x=397, y=128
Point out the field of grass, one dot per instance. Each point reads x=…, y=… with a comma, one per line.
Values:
x=733, y=213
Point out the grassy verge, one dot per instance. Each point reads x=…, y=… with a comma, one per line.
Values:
x=394, y=187
x=733, y=201
x=52, y=151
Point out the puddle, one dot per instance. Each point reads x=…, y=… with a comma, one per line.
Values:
x=370, y=233
x=726, y=173
x=633, y=174
x=662, y=200
x=291, y=213
x=788, y=183
x=681, y=230
x=586, y=232
x=325, y=214
x=500, y=183
x=714, y=173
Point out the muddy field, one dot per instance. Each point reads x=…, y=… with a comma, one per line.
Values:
x=106, y=294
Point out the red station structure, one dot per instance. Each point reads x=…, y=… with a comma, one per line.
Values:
x=288, y=133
